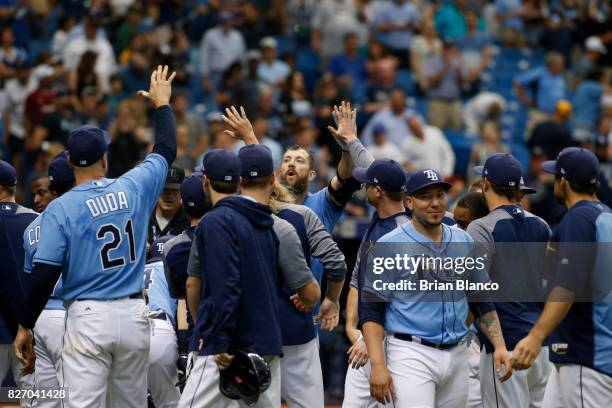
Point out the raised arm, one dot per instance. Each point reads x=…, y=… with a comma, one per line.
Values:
x=242, y=128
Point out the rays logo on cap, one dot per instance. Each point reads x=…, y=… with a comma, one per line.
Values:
x=228, y=178
x=375, y=180
x=430, y=174
x=512, y=183
x=254, y=174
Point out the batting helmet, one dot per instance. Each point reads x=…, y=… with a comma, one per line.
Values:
x=246, y=378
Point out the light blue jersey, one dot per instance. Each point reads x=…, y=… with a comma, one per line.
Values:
x=156, y=285
x=31, y=236
x=437, y=322
x=98, y=231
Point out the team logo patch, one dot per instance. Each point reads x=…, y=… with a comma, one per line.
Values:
x=254, y=174
x=430, y=174
x=228, y=178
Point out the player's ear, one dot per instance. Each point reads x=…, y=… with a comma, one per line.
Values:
x=409, y=203
x=311, y=175
x=272, y=180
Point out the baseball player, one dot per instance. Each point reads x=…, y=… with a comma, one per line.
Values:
x=580, y=337
x=426, y=360
x=508, y=222
x=385, y=183
x=15, y=219
x=233, y=298
x=41, y=192
x=96, y=235
x=49, y=328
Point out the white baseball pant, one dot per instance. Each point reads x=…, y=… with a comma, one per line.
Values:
x=106, y=353
x=357, y=389
x=202, y=388
x=524, y=389
x=163, y=373
x=576, y=386
x=427, y=377
x=301, y=376
x=474, y=395
x=48, y=345
x=8, y=359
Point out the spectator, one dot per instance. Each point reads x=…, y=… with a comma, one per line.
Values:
x=197, y=133
x=424, y=47
x=271, y=70
x=116, y=94
x=427, y=148
x=534, y=13
x=509, y=14
x=90, y=112
x=294, y=99
x=381, y=148
x=60, y=37
x=297, y=17
x=450, y=20
x=331, y=21
x=85, y=75
x=106, y=65
x=169, y=217
x=587, y=107
x=268, y=109
x=246, y=90
x=476, y=50
x=378, y=55
x=260, y=129
x=128, y=29
x=17, y=90
x=593, y=53
x=327, y=94
x=10, y=56
x=393, y=118
x=394, y=25
x=560, y=26
x=484, y=107
x=183, y=160
x=223, y=96
x=487, y=146
x=551, y=136
x=127, y=141
x=220, y=47
x=379, y=91
x=349, y=67
x=540, y=88
x=443, y=85
x=40, y=102
x=56, y=125
x=178, y=58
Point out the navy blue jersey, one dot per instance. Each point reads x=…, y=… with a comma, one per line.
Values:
x=15, y=220
x=510, y=223
x=585, y=335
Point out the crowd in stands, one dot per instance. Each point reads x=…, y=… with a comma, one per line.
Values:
x=440, y=84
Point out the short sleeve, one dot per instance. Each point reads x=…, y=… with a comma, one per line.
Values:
x=529, y=77
x=28, y=250
x=328, y=212
x=53, y=243
x=194, y=267
x=148, y=178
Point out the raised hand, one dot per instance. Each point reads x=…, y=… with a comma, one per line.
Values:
x=243, y=129
x=346, y=119
x=160, y=88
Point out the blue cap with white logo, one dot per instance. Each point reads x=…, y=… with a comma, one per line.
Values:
x=192, y=192
x=256, y=161
x=8, y=175
x=87, y=145
x=385, y=173
x=501, y=169
x=575, y=164
x=425, y=178
x=222, y=165
x=60, y=171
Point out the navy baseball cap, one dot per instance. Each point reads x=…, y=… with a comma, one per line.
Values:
x=87, y=145
x=574, y=164
x=222, y=165
x=526, y=189
x=174, y=178
x=60, y=171
x=8, y=175
x=425, y=178
x=256, y=161
x=501, y=169
x=385, y=173
x=192, y=192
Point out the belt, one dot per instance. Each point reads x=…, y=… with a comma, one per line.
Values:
x=160, y=316
x=414, y=339
x=137, y=295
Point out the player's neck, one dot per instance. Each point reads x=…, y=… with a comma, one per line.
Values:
x=388, y=208
x=167, y=214
x=494, y=201
x=432, y=232
x=261, y=196
x=216, y=197
x=5, y=198
x=573, y=198
x=84, y=177
x=300, y=198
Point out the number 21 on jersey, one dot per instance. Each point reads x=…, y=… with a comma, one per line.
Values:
x=113, y=237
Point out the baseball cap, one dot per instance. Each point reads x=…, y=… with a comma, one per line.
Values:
x=379, y=128
x=87, y=144
x=8, y=175
x=268, y=42
x=526, y=189
x=192, y=192
x=501, y=169
x=222, y=165
x=385, y=173
x=256, y=161
x=424, y=178
x=574, y=164
x=594, y=43
x=60, y=171
x=174, y=178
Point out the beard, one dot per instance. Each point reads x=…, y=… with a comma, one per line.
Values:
x=298, y=188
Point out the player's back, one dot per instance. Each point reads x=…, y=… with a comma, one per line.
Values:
x=102, y=225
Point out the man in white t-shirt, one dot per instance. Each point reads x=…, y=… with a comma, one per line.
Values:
x=427, y=148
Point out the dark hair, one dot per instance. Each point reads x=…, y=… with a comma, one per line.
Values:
x=511, y=193
x=589, y=189
x=312, y=163
x=595, y=74
x=225, y=187
x=256, y=182
x=87, y=64
x=38, y=176
x=61, y=188
x=10, y=190
x=475, y=203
